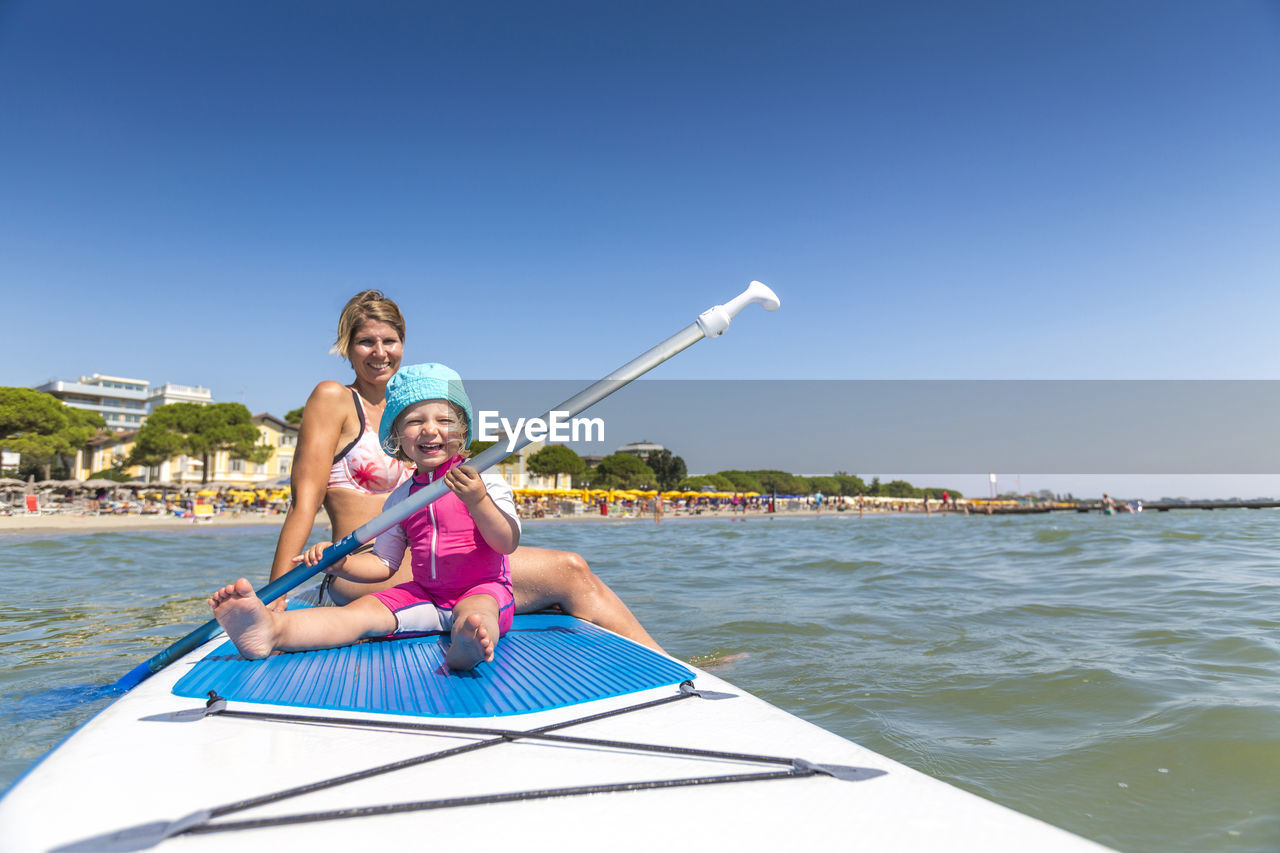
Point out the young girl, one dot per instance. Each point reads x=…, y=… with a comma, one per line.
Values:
x=461, y=582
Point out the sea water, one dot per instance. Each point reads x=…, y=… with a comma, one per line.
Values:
x=1115, y=676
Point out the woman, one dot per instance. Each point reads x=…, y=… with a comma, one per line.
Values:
x=339, y=466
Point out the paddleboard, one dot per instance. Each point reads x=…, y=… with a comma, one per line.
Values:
x=572, y=739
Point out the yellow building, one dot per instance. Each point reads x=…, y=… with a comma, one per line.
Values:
x=104, y=449
x=282, y=437
x=516, y=472
x=102, y=452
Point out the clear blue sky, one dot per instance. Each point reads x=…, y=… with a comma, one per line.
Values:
x=1085, y=190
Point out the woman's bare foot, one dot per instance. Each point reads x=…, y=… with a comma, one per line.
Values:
x=471, y=644
x=247, y=621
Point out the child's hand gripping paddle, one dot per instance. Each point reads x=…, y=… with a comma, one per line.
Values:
x=710, y=324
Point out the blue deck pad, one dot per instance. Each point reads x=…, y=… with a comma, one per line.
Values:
x=544, y=661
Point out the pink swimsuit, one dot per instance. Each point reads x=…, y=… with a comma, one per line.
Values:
x=362, y=466
x=450, y=558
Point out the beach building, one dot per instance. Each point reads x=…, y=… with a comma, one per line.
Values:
x=162, y=395
x=122, y=402
x=276, y=433
x=224, y=470
x=102, y=452
x=515, y=470
x=642, y=448
x=282, y=437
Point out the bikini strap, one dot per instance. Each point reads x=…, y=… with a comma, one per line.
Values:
x=355, y=399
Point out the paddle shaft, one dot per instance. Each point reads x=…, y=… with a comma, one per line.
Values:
x=711, y=323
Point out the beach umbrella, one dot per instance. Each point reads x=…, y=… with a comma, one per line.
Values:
x=6, y=482
x=100, y=483
x=59, y=484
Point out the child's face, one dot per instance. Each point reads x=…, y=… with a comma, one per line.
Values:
x=430, y=433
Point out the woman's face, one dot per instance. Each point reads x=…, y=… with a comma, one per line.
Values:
x=375, y=352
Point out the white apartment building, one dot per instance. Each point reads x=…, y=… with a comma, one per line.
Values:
x=123, y=403
x=163, y=395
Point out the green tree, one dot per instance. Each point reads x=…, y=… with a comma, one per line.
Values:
x=293, y=416
x=780, y=482
x=42, y=428
x=743, y=481
x=201, y=431
x=623, y=471
x=827, y=485
x=899, y=489
x=936, y=492
x=850, y=485
x=554, y=460
x=477, y=447
x=717, y=482
x=115, y=472
x=669, y=469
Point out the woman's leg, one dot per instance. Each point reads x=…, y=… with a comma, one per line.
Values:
x=543, y=578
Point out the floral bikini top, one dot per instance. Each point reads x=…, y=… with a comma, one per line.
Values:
x=362, y=466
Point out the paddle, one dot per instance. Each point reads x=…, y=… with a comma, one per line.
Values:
x=710, y=324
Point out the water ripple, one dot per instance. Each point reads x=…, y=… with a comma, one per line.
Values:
x=1114, y=676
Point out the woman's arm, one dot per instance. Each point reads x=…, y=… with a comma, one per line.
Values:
x=323, y=419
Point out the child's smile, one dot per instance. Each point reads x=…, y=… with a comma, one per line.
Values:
x=430, y=434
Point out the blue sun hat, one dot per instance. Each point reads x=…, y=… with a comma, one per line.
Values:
x=414, y=384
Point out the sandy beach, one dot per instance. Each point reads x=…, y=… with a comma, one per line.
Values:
x=73, y=524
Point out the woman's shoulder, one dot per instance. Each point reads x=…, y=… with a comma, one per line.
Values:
x=329, y=394
x=331, y=389
x=328, y=408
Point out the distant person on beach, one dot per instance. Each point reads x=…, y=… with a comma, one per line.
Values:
x=460, y=583
x=339, y=467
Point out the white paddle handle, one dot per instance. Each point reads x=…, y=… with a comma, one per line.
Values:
x=715, y=320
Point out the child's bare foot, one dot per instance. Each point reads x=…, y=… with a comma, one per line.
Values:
x=244, y=617
x=471, y=644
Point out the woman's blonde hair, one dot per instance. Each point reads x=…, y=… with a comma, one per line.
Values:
x=361, y=308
